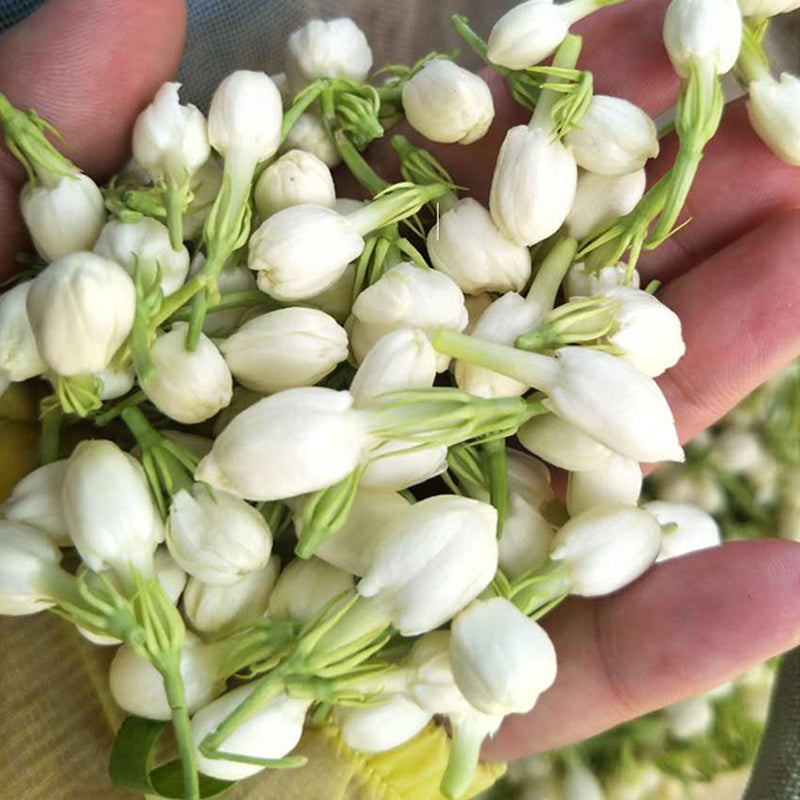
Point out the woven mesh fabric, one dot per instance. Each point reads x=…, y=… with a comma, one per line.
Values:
x=228, y=34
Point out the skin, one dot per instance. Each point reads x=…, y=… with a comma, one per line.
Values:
x=691, y=623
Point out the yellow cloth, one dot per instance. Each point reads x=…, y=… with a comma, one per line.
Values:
x=57, y=717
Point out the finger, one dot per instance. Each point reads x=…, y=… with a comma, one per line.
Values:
x=689, y=625
x=88, y=67
x=740, y=183
x=740, y=311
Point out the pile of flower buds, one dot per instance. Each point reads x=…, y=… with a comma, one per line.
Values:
x=279, y=517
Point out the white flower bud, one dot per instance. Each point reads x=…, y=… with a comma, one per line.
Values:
x=606, y=548
x=767, y=8
x=232, y=278
x=36, y=501
x=81, y=311
x=376, y=729
x=352, y=547
x=393, y=467
x=296, y=178
x=144, y=243
x=335, y=48
x=562, y=444
x=581, y=783
x=618, y=480
x=433, y=561
x=188, y=386
x=506, y=318
x=245, y=117
x=527, y=34
x=527, y=534
x=407, y=296
x=336, y=300
x=690, y=718
x=170, y=140
x=110, y=513
x=614, y=137
x=646, y=330
x=600, y=199
x=215, y=610
x=19, y=356
x=291, y=443
x=534, y=184
x=302, y=250
x=476, y=305
x=285, y=348
x=469, y=247
x=581, y=283
x=774, y=110
x=272, y=732
x=432, y=684
x=205, y=186
x=502, y=661
x=447, y=103
x=138, y=688
x=65, y=218
x=115, y=383
x=696, y=529
x=703, y=33
x=304, y=588
x=28, y=559
x=739, y=451
x=309, y=134
x=216, y=537
x=242, y=400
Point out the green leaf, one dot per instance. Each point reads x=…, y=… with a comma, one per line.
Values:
x=131, y=767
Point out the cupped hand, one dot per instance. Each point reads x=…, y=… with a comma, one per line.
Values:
x=90, y=66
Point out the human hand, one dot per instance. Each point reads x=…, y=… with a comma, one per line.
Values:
x=731, y=275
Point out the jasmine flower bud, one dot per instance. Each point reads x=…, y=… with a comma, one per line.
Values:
x=614, y=137
x=476, y=305
x=407, y=296
x=264, y=453
x=435, y=559
x=690, y=718
x=335, y=48
x=703, y=33
x=296, y=178
x=19, y=356
x=773, y=107
x=189, y=386
x=272, y=732
x=447, y=103
x=309, y=134
x=244, y=120
x=739, y=451
x=304, y=588
x=216, y=609
x=138, y=688
x=582, y=283
x=690, y=528
x=601, y=199
x=144, y=245
x=378, y=728
x=562, y=444
x=81, y=310
x=110, y=513
x=216, y=537
x=431, y=682
x=29, y=564
x=580, y=783
x=351, y=549
x=469, y=247
x=115, y=382
x=337, y=299
x=618, y=480
x=170, y=140
x=502, y=661
x=534, y=184
x=63, y=217
x=36, y=501
x=767, y=8
x=284, y=349
x=606, y=548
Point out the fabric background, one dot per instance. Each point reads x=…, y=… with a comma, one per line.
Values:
x=54, y=704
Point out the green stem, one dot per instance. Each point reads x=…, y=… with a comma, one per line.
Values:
x=497, y=470
x=390, y=95
x=145, y=434
x=247, y=298
x=394, y=207
x=50, y=436
x=465, y=749
x=173, y=685
x=547, y=282
x=299, y=107
x=101, y=420
x=174, y=206
x=683, y=174
x=358, y=165
x=475, y=42
x=566, y=57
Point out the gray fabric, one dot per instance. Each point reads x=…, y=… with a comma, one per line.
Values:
x=228, y=34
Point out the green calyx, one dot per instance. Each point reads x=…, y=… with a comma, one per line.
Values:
x=579, y=321
x=537, y=592
x=753, y=61
x=26, y=138
x=353, y=108
x=76, y=394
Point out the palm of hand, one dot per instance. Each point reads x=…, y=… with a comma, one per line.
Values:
x=732, y=276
